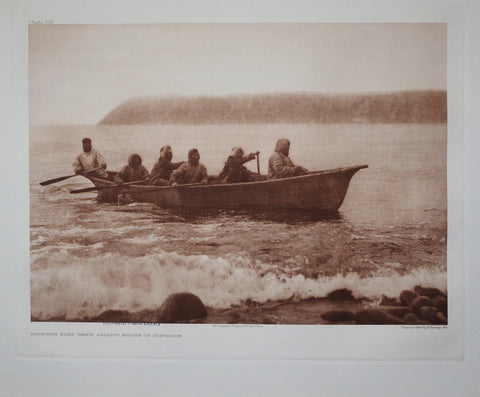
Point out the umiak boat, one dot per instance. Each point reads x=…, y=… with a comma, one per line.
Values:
x=318, y=191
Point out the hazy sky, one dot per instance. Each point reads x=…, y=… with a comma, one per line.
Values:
x=78, y=73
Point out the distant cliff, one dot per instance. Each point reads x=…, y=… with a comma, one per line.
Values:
x=397, y=107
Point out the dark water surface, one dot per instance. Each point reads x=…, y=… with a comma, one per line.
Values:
x=390, y=233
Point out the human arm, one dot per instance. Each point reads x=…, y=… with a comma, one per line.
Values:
x=122, y=176
x=155, y=173
x=176, y=176
x=77, y=165
x=300, y=170
x=174, y=166
x=145, y=176
x=204, y=175
x=101, y=162
x=249, y=157
x=281, y=165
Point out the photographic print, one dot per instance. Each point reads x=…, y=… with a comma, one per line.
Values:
x=243, y=173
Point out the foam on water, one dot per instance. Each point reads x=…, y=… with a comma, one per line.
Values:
x=88, y=257
x=75, y=288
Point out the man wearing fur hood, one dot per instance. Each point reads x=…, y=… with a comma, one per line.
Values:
x=280, y=165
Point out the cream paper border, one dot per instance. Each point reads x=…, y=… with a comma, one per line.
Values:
x=201, y=342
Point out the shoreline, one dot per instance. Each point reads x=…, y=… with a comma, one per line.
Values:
x=421, y=306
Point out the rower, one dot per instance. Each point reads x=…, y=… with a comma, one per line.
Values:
x=191, y=172
x=234, y=171
x=133, y=171
x=280, y=165
x=90, y=161
x=163, y=168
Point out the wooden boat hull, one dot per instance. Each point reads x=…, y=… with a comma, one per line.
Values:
x=320, y=191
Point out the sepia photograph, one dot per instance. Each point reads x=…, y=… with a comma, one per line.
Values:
x=239, y=198
x=238, y=173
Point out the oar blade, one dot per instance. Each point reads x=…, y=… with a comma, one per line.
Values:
x=61, y=178
x=92, y=189
x=50, y=181
x=84, y=190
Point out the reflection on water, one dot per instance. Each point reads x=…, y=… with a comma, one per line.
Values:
x=269, y=215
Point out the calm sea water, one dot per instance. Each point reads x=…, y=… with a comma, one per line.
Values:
x=88, y=257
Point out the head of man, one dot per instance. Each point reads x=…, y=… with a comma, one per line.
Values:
x=87, y=144
x=283, y=146
x=134, y=161
x=237, y=152
x=193, y=157
x=166, y=153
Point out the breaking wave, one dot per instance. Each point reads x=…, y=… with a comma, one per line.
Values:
x=75, y=288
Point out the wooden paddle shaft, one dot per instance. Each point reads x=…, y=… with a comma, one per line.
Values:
x=62, y=178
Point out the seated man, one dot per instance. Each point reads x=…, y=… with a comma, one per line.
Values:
x=133, y=172
x=89, y=161
x=234, y=171
x=280, y=165
x=162, y=170
x=191, y=172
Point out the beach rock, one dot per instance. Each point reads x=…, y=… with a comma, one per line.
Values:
x=407, y=297
x=420, y=301
x=420, y=322
x=112, y=316
x=337, y=316
x=182, y=306
x=387, y=301
x=398, y=311
x=430, y=292
x=410, y=317
x=440, y=303
x=441, y=318
x=341, y=294
x=429, y=313
x=375, y=316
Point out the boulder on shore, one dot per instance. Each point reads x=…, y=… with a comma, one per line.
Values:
x=430, y=292
x=429, y=313
x=341, y=294
x=440, y=303
x=407, y=297
x=419, y=302
x=397, y=311
x=375, y=316
x=410, y=317
x=183, y=306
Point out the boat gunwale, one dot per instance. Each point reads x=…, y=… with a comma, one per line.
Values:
x=203, y=186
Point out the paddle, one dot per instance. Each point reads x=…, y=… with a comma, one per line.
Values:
x=149, y=189
x=91, y=189
x=61, y=178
